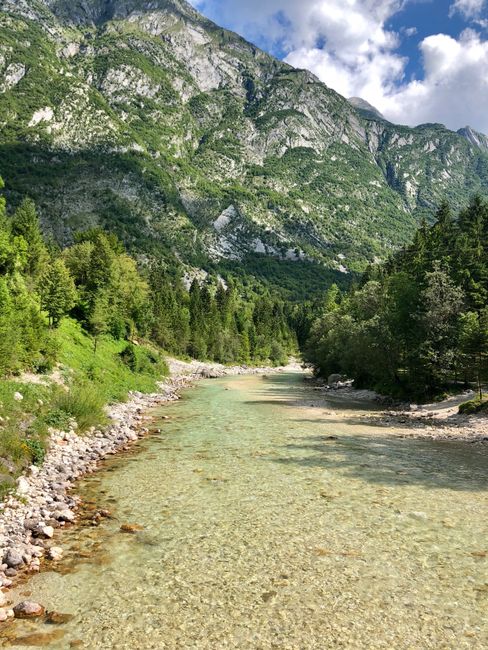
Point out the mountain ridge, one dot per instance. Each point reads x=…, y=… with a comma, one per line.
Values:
x=186, y=139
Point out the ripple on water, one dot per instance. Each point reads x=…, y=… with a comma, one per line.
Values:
x=261, y=522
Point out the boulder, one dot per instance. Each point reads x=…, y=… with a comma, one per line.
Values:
x=334, y=379
x=13, y=558
x=55, y=553
x=23, y=485
x=28, y=609
x=65, y=515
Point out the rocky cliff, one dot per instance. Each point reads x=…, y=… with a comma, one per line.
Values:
x=145, y=117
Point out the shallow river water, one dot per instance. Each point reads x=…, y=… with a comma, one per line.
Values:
x=274, y=519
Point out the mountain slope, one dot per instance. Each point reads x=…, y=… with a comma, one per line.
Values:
x=147, y=118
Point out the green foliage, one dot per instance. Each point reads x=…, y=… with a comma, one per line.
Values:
x=143, y=360
x=83, y=402
x=58, y=292
x=104, y=367
x=36, y=450
x=477, y=405
x=418, y=322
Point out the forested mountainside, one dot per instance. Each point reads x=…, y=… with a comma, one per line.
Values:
x=148, y=120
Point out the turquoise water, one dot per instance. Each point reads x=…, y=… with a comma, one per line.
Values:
x=273, y=519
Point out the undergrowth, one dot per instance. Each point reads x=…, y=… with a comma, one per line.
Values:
x=86, y=380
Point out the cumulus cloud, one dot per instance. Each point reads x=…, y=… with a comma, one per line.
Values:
x=348, y=45
x=454, y=90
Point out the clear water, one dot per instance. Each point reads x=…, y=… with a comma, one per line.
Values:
x=261, y=532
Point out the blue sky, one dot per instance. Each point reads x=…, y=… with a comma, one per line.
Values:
x=416, y=60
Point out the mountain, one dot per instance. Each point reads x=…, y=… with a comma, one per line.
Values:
x=477, y=139
x=365, y=108
x=148, y=119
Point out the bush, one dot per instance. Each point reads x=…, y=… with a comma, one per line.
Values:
x=474, y=406
x=83, y=403
x=143, y=360
x=36, y=450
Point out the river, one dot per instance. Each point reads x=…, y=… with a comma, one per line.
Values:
x=273, y=519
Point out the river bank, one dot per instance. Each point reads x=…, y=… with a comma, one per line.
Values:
x=43, y=499
x=435, y=421
x=262, y=522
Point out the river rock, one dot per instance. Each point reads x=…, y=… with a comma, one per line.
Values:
x=13, y=558
x=28, y=609
x=43, y=531
x=23, y=485
x=55, y=553
x=65, y=515
x=57, y=618
x=3, y=599
x=131, y=528
x=334, y=379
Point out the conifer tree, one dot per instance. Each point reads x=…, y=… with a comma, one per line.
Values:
x=58, y=292
x=25, y=223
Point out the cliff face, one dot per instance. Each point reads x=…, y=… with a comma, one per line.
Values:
x=145, y=117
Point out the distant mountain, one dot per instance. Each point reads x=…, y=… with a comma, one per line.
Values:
x=477, y=139
x=147, y=118
x=365, y=108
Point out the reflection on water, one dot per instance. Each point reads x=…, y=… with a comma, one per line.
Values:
x=271, y=520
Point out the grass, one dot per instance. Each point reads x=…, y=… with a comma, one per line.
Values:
x=106, y=368
x=94, y=379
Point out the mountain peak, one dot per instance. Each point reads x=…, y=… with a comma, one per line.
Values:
x=365, y=108
x=476, y=138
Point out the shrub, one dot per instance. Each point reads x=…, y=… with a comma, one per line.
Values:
x=83, y=403
x=143, y=360
x=474, y=406
x=36, y=450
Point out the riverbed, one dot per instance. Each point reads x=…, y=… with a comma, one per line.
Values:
x=271, y=519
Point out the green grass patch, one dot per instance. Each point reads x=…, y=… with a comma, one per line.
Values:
x=94, y=378
x=108, y=368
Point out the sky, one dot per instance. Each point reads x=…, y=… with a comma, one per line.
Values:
x=417, y=61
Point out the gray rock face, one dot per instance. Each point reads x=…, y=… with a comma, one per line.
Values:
x=365, y=107
x=479, y=140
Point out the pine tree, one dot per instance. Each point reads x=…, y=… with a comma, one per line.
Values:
x=58, y=292
x=25, y=223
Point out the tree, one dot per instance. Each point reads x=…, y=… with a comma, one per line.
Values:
x=474, y=345
x=25, y=223
x=58, y=292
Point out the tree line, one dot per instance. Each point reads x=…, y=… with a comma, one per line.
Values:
x=96, y=282
x=418, y=324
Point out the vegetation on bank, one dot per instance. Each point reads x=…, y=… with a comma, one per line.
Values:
x=417, y=325
x=90, y=323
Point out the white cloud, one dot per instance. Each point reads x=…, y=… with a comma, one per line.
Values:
x=469, y=8
x=348, y=45
x=454, y=90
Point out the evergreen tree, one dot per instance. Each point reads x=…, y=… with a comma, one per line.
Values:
x=25, y=223
x=58, y=292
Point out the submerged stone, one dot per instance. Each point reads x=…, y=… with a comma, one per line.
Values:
x=28, y=609
x=131, y=528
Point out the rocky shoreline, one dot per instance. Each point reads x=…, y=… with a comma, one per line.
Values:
x=436, y=421
x=43, y=499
